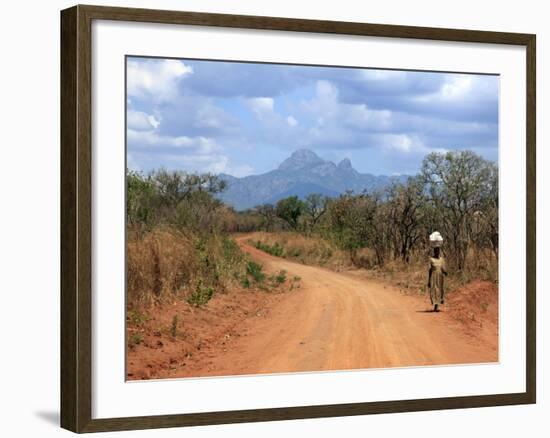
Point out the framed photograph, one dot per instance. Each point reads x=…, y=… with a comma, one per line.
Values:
x=270, y=218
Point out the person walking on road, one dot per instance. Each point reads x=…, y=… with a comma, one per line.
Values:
x=437, y=272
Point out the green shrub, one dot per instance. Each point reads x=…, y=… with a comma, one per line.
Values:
x=231, y=250
x=255, y=271
x=137, y=318
x=136, y=338
x=276, y=249
x=295, y=252
x=201, y=295
x=306, y=249
x=277, y=279
x=280, y=278
x=245, y=282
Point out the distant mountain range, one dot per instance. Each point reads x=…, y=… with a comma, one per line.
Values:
x=303, y=173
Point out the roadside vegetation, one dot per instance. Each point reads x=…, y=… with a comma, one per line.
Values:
x=387, y=231
x=189, y=284
x=179, y=244
x=307, y=249
x=180, y=234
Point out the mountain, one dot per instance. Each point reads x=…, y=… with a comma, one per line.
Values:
x=301, y=159
x=301, y=174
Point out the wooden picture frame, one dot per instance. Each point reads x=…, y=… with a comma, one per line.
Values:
x=76, y=217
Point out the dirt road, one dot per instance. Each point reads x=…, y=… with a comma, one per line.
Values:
x=339, y=321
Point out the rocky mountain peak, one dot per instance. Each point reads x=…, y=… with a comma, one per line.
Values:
x=301, y=159
x=301, y=174
x=345, y=164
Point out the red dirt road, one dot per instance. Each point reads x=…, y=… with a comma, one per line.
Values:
x=339, y=321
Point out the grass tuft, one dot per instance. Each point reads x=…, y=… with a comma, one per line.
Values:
x=201, y=295
x=136, y=339
x=255, y=270
x=174, y=326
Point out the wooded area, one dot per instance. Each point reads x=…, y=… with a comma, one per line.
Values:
x=455, y=193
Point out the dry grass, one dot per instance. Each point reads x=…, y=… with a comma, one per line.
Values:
x=413, y=277
x=164, y=263
x=159, y=265
x=304, y=249
x=186, y=293
x=410, y=277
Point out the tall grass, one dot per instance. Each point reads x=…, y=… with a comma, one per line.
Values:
x=310, y=250
x=165, y=263
x=411, y=276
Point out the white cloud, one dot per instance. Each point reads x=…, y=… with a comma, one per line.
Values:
x=261, y=106
x=194, y=154
x=459, y=89
x=153, y=121
x=155, y=78
x=326, y=90
x=361, y=116
x=151, y=138
x=213, y=126
x=333, y=115
x=221, y=164
x=456, y=87
x=291, y=121
x=402, y=143
x=405, y=144
x=210, y=116
x=240, y=170
x=140, y=121
x=213, y=163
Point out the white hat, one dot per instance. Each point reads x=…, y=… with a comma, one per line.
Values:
x=436, y=240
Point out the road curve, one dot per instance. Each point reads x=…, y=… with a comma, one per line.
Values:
x=338, y=321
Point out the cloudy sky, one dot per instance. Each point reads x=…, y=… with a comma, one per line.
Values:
x=246, y=118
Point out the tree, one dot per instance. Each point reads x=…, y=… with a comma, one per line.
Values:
x=289, y=209
x=315, y=206
x=457, y=184
x=175, y=186
x=200, y=212
x=404, y=205
x=342, y=222
x=140, y=199
x=185, y=200
x=485, y=219
x=357, y=221
x=374, y=224
x=268, y=215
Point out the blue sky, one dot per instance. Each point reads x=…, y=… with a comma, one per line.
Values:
x=246, y=118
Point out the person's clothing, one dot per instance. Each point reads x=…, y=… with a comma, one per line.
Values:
x=437, y=271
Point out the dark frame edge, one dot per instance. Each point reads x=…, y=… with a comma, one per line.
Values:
x=531, y=218
x=76, y=191
x=304, y=412
x=75, y=347
x=303, y=25
x=68, y=347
